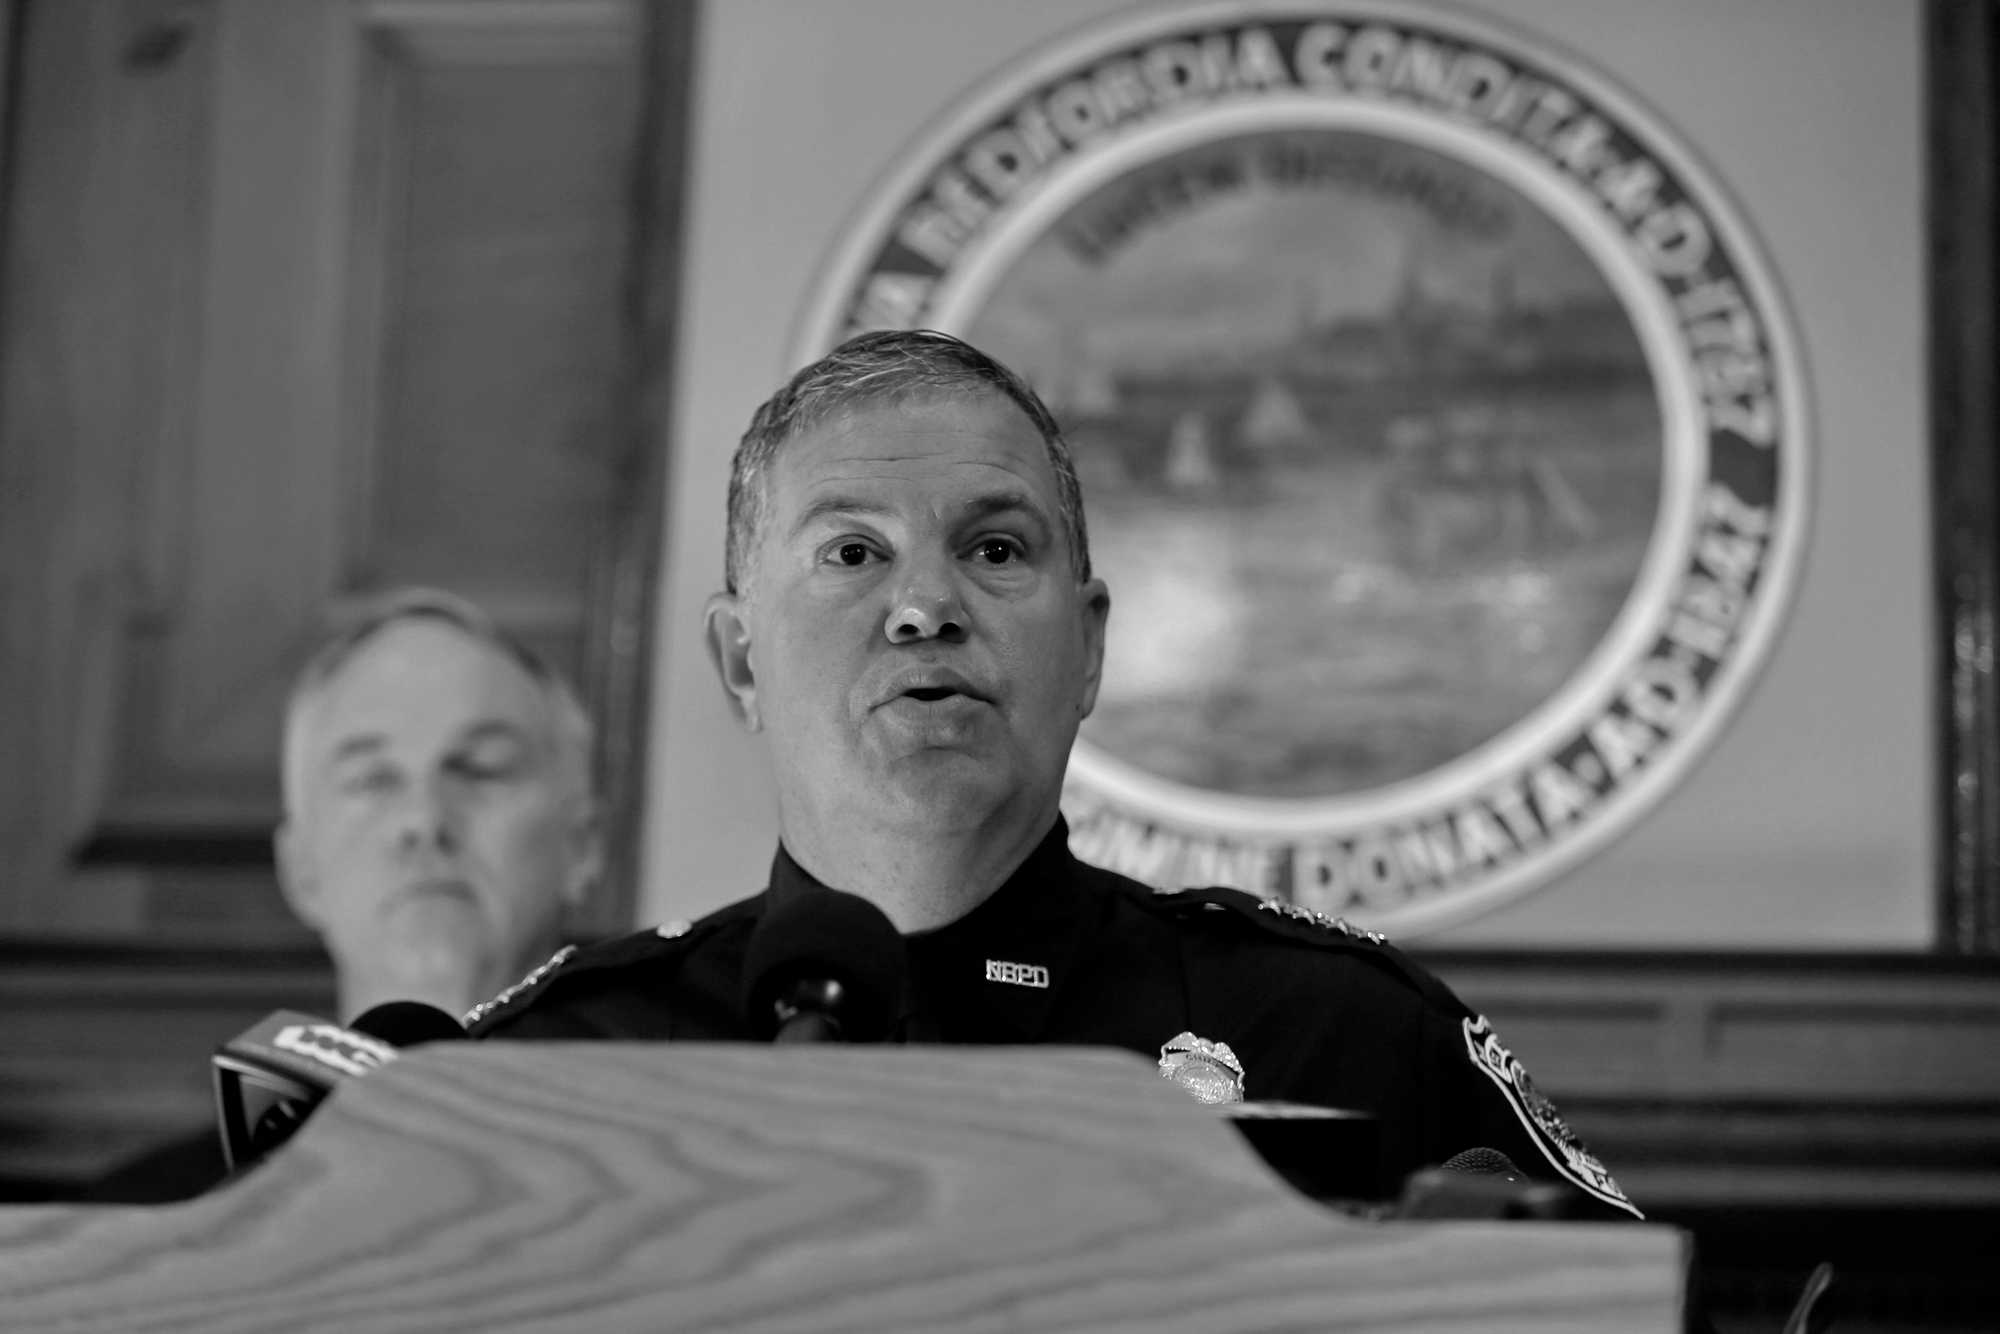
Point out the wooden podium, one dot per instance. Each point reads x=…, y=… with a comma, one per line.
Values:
x=600, y=1187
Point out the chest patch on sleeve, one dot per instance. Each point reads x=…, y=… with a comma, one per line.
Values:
x=1558, y=1143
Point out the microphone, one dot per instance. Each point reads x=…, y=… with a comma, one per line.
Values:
x=271, y=1076
x=1479, y=1183
x=823, y=967
x=1482, y=1162
x=407, y=1023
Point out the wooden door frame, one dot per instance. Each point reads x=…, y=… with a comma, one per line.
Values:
x=1961, y=41
x=621, y=653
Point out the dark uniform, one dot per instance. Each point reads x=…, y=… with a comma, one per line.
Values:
x=1314, y=1011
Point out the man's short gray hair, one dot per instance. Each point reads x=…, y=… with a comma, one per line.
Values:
x=884, y=367
x=573, y=734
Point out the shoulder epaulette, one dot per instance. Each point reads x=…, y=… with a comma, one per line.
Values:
x=1288, y=919
x=1293, y=922
x=665, y=941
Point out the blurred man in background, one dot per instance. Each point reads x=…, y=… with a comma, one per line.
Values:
x=439, y=814
x=439, y=822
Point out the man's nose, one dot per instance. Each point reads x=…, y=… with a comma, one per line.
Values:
x=427, y=817
x=927, y=605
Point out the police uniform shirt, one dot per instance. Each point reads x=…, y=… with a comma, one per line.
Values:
x=1063, y=952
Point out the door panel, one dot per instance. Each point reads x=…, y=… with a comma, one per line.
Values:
x=308, y=298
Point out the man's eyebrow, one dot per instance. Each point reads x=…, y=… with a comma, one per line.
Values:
x=364, y=743
x=1004, y=502
x=836, y=504
x=489, y=728
x=983, y=506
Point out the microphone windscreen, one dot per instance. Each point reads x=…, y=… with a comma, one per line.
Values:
x=826, y=936
x=1482, y=1162
x=406, y=1023
x=1480, y=1183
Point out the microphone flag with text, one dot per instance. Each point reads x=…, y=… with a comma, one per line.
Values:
x=269, y=1078
x=823, y=967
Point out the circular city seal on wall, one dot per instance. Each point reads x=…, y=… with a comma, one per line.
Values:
x=1440, y=423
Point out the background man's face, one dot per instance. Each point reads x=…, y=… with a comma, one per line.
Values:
x=945, y=508
x=436, y=830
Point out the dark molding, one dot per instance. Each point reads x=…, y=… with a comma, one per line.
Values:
x=178, y=846
x=1791, y=964
x=22, y=959
x=620, y=654
x=1960, y=64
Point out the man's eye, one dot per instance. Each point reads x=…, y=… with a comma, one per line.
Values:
x=998, y=550
x=372, y=781
x=850, y=553
x=483, y=770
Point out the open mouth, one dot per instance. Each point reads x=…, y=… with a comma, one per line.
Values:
x=930, y=685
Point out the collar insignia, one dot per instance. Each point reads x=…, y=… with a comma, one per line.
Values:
x=542, y=970
x=1207, y=1070
x=1300, y=913
x=1018, y=974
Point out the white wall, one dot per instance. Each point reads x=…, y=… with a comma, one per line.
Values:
x=1809, y=825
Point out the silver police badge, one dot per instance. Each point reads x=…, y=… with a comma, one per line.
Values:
x=1207, y=1070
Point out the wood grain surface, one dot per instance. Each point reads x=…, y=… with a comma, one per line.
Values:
x=628, y=1187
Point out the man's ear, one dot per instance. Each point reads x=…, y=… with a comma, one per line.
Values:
x=728, y=628
x=1096, y=614
x=586, y=863
x=295, y=878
